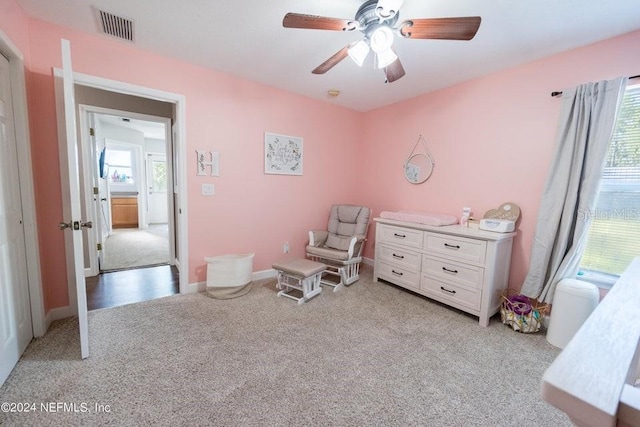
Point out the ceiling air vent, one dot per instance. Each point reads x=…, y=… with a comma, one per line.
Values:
x=114, y=25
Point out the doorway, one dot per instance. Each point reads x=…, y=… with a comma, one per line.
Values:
x=132, y=207
x=131, y=193
x=134, y=225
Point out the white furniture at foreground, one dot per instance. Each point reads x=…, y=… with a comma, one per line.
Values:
x=592, y=378
x=463, y=267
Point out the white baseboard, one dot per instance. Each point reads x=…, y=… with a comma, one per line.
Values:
x=59, y=313
x=256, y=275
x=264, y=274
x=196, y=287
x=368, y=261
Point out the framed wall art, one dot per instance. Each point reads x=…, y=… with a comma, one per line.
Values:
x=282, y=154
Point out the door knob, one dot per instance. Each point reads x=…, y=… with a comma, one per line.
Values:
x=64, y=225
x=87, y=224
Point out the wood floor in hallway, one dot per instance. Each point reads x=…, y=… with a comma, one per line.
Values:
x=131, y=286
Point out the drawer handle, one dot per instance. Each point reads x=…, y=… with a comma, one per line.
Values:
x=397, y=273
x=448, y=246
x=402, y=236
x=450, y=271
x=447, y=290
x=398, y=256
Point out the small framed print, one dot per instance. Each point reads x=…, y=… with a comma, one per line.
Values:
x=282, y=154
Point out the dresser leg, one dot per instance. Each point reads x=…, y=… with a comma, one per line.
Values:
x=484, y=321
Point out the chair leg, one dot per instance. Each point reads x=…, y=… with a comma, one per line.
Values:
x=350, y=273
x=332, y=271
x=347, y=274
x=309, y=286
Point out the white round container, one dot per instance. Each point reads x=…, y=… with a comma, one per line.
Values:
x=573, y=302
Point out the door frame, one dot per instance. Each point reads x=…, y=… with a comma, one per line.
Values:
x=89, y=170
x=179, y=147
x=27, y=191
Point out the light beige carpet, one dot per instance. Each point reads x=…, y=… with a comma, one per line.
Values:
x=369, y=355
x=132, y=248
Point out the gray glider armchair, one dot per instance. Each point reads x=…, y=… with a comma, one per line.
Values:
x=340, y=246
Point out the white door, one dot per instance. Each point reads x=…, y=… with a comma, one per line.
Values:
x=72, y=222
x=157, y=206
x=15, y=312
x=99, y=170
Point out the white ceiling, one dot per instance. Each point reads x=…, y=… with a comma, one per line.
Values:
x=246, y=38
x=151, y=130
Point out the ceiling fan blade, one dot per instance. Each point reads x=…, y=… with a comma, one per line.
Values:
x=313, y=22
x=441, y=28
x=331, y=62
x=394, y=71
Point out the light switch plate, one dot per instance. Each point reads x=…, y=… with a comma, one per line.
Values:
x=208, y=190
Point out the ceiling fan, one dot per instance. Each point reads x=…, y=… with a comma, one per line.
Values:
x=378, y=21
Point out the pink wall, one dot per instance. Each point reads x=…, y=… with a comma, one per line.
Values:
x=492, y=139
x=251, y=211
x=14, y=23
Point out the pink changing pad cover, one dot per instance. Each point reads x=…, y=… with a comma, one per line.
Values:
x=426, y=218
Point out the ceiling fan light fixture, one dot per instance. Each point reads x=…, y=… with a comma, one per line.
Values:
x=358, y=52
x=385, y=58
x=381, y=39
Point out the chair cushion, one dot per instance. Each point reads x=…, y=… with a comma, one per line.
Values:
x=348, y=220
x=338, y=242
x=299, y=267
x=328, y=253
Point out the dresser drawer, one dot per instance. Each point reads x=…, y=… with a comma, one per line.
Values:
x=456, y=248
x=400, y=257
x=447, y=292
x=463, y=274
x=398, y=275
x=401, y=236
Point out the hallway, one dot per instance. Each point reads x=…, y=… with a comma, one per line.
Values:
x=127, y=248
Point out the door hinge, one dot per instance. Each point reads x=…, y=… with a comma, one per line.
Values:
x=95, y=190
x=92, y=132
x=99, y=246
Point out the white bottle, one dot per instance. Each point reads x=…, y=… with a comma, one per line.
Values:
x=464, y=219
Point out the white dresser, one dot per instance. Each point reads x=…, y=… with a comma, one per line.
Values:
x=462, y=267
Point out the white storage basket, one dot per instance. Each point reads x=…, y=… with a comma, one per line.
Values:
x=229, y=276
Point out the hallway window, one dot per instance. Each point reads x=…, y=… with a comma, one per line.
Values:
x=120, y=166
x=159, y=183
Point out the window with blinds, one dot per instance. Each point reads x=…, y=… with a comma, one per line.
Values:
x=614, y=235
x=120, y=166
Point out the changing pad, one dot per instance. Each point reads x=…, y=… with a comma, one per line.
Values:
x=426, y=218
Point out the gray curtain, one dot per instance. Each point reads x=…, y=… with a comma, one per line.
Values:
x=587, y=118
